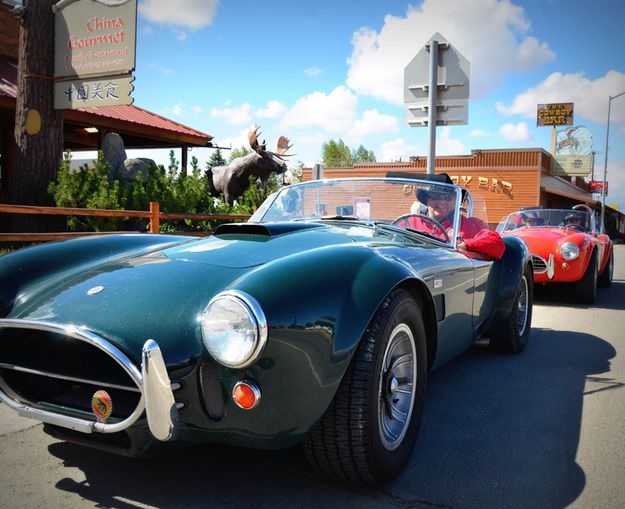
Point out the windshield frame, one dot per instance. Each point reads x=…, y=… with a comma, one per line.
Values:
x=511, y=222
x=462, y=196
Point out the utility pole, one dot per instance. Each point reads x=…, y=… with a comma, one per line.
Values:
x=605, y=163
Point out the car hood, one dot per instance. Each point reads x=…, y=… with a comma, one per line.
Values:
x=538, y=239
x=160, y=295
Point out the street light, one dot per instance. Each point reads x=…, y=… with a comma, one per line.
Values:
x=605, y=163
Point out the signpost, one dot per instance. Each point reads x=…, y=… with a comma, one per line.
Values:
x=436, y=90
x=596, y=186
x=94, y=52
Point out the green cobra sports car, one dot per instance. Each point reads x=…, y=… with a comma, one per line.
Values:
x=316, y=322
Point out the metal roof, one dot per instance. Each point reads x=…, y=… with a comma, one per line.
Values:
x=561, y=187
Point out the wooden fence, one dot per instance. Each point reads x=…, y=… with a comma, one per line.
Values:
x=154, y=215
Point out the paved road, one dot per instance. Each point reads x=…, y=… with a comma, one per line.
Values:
x=545, y=429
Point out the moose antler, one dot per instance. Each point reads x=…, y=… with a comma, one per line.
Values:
x=252, y=138
x=282, y=146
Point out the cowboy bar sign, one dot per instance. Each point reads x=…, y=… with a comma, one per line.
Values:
x=554, y=114
x=94, y=39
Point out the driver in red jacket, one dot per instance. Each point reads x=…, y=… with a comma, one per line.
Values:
x=473, y=233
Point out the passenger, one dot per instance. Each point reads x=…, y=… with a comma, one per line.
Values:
x=473, y=233
x=574, y=220
x=531, y=219
x=291, y=202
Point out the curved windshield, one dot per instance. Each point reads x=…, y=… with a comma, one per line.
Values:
x=427, y=207
x=572, y=219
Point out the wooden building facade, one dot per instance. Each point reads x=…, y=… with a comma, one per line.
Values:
x=507, y=180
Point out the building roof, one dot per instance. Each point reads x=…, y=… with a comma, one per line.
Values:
x=562, y=187
x=139, y=127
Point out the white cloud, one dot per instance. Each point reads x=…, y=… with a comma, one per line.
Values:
x=371, y=122
x=498, y=47
x=590, y=96
x=335, y=112
x=191, y=14
x=181, y=35
x=273, y=109
x=163, y=70
x=478, y=133
x=238, y=115
x=180, y=110
x=397, y=150
x=447, y=146
x=616, y=182
x=515, y=132
x=236, y=141
x=313, y=71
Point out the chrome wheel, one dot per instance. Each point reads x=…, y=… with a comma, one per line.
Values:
x=396, y=392
x=523, y=306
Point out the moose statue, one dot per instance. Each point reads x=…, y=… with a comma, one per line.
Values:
x=234, y=178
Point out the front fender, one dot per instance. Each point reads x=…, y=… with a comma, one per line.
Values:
x=318, y=305
x=511, y=266
x=48, y=263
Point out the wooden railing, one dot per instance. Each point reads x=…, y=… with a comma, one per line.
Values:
x=154, y=215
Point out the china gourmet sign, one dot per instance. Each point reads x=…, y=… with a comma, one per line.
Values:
x=94, y=38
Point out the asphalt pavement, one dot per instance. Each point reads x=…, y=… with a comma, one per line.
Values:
x=543, y=429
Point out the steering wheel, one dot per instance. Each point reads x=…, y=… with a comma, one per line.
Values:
x=576, y=227
x=439, y=230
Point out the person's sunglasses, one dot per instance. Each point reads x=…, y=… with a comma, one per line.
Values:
x=440, y=196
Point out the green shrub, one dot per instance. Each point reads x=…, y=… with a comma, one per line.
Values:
x=176, y=190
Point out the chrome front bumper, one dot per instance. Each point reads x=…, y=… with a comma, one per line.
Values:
x=157, y=398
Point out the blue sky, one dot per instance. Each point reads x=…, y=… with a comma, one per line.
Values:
x=320, y=70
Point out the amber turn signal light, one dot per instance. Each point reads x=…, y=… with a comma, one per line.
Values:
x=246, y=395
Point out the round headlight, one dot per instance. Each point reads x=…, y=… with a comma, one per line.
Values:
x=569, y=251
x=234, y=329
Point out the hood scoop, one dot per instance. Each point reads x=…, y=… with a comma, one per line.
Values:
x=264, y=229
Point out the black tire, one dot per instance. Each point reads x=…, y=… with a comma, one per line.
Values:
x=605, y=278
x=511, y=334
x=361, y=439
x=587, y=285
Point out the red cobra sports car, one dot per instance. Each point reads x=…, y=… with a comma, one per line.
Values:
x=566, y=247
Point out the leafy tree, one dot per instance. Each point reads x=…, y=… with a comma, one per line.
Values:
x=362, y=155
x=238, y=152
x=336, y=154
x=216, y=159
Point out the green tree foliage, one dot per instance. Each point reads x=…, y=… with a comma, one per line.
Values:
x=238, y=152
x=216, y=159
x=362, y=155
x=176, y=190
x=336, y=154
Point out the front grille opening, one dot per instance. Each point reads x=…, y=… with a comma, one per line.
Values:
x=64, y=355
x=61, y=373
x=65, y=394
x=540, y=266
